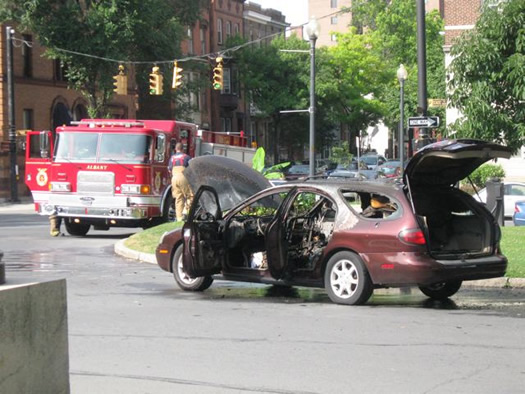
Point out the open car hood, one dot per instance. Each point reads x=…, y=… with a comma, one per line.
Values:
x=446, y=162
x=233, y=181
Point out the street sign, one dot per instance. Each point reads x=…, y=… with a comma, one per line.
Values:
x=424, y=121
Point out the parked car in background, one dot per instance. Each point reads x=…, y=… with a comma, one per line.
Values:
x=519, y=213
x=351, y=171
x=512, y=193
x=348, y=237
x=297, y=171
x=389, y=169
x=372, y=160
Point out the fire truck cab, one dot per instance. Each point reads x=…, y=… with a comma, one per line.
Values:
x=105, y=172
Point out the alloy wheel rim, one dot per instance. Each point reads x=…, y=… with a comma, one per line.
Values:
x=344, y=278
x=183, y=275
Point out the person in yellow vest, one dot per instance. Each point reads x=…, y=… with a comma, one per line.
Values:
x=180, y=188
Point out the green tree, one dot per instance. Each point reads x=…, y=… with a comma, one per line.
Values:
x=275, y=81
x=129, y=30
x=488, y=76
x=392, y=26
x=350, y=83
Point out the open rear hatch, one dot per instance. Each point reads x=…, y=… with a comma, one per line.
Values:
x=457, y=226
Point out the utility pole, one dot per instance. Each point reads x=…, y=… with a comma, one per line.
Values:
x=11, y=113
x=421, y=62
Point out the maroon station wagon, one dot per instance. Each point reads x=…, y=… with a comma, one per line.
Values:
x=348, y=236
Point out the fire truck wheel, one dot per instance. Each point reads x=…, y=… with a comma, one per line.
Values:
x=184, y=281
x=77, y=229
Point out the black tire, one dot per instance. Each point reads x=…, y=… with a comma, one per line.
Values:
x=77, y=229
x=441, y=291
x=346, y=279
x=167, y=214
x=184, y=281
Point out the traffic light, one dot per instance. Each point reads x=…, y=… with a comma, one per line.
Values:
x=218, y=74
x=120, y=82
x=177, y=76
x=155, y=82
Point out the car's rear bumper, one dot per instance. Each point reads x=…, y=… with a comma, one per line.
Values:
x=422, y=269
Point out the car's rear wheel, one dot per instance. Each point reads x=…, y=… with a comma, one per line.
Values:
x=346, y=279
x=442, y=290
x=185, y=281
x=77, y=229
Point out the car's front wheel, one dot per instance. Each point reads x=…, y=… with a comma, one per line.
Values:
x=442, y=290
x=346, y=279
x=185, y=281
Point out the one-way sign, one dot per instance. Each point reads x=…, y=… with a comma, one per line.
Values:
x=424, y=121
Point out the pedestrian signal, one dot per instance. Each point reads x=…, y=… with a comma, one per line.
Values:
x=120, y=82
x=218, y=77
x=177, y=76
x=155, y=82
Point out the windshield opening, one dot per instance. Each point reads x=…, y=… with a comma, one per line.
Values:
x=103, y=148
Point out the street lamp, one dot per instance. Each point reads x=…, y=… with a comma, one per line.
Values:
x=401, y=77
x=312, y=30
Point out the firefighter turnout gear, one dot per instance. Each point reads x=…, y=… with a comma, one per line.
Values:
x=180, y=188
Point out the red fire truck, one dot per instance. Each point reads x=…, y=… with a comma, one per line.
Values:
x=114, y=172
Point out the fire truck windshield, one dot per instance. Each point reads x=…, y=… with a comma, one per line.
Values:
x=103, y=147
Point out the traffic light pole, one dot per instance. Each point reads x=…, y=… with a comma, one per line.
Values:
x=11, y=114
x=421, y=60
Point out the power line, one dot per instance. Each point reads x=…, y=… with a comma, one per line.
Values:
x=210, y=55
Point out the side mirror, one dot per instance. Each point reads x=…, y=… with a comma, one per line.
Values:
x=44, y=144
x=161, y=147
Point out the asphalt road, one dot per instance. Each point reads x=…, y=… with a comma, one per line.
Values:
x=132, y=331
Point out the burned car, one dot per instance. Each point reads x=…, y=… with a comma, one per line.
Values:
x=348, y=237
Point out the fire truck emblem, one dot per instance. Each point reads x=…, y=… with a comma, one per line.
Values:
x=157, y=181
x=41, y=177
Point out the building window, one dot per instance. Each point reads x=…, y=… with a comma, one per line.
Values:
x=333, y=37
x=28, y=119
x=333, y=20
x=219, y=31
x=228, y=29
x=203, y=40
x=27, y=54
x=333, y=3
x=60, y=70
x=190, y=40
x=226, y=81
x=226, y=124
x=236, y=29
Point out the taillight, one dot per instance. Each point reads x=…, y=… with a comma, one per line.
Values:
x=412, y=237
x=517, y=208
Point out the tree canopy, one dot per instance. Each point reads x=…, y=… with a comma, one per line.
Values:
x=106, y=30
x=488, y=76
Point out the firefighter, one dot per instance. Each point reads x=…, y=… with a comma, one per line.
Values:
x=180, y=188
x=54, y=224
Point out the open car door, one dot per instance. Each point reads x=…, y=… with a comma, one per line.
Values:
x=275, y=238
x=39, y=148
x=203, y=247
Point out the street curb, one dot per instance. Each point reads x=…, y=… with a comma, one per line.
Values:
x=124, y=251
x=502, y=283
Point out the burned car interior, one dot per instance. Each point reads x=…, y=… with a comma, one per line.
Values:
x=307, y=226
